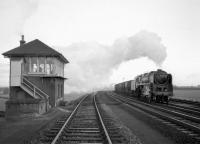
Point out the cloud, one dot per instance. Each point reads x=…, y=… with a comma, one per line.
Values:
x=91, y=63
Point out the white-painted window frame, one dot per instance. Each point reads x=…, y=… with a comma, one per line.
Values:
x=55, y=66
x=37, y=71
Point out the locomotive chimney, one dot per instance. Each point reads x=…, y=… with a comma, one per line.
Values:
x=22, y=41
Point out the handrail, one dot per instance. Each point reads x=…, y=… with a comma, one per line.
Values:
x=35, y=88
x=32, y=89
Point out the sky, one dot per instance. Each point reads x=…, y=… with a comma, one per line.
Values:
x=108, y=41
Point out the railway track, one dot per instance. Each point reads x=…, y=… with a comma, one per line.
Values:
x=187, y=109
x=188, y=102
x=184, y=109
x=185, y=106
x=86, y=124
x=187, y=124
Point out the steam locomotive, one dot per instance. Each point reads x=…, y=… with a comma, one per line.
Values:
x=153, y=86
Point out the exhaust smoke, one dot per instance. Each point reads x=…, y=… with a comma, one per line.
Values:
x=91, y=63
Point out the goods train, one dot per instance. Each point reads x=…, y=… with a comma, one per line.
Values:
x=153, y=86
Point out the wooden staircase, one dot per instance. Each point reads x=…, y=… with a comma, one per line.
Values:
x=32, y=89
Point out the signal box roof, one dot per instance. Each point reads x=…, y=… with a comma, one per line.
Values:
x=35, y=48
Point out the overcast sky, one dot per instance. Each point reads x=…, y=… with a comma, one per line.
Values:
x=93, y=33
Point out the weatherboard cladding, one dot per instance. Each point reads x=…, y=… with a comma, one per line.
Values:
x=35, y=48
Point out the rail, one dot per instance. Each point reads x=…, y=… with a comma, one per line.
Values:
x=158, y=107
x=186, y=101
x=56, y=139
x=171, y=119
x=101, y=120
x=67, y=121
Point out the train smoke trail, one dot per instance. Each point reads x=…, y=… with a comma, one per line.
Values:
x=91, y=63
x=143, y=44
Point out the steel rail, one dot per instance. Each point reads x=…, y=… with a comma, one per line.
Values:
x=102, y=123
x=174, y=120
x=67, y=121
x=194, y=103
x=188, y=117
x=184, y=109
x=189, y=108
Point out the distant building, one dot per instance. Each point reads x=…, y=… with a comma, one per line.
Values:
x=36, y=78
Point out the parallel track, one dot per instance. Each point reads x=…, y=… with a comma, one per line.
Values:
x=185, y=106
x=184, y=123
x=184, y=109
x=189, y=102
x=179, y=107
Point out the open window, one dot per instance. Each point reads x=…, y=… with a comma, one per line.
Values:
x=26, y=65
x=50, y=66
x=34, y=64
x=41, y=64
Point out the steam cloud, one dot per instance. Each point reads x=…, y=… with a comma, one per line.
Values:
x=91, y=63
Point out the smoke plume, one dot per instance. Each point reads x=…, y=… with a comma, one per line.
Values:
x=91, y=63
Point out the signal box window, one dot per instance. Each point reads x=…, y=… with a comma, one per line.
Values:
x=34, y=65
x=49, y=66
x=41, y=65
